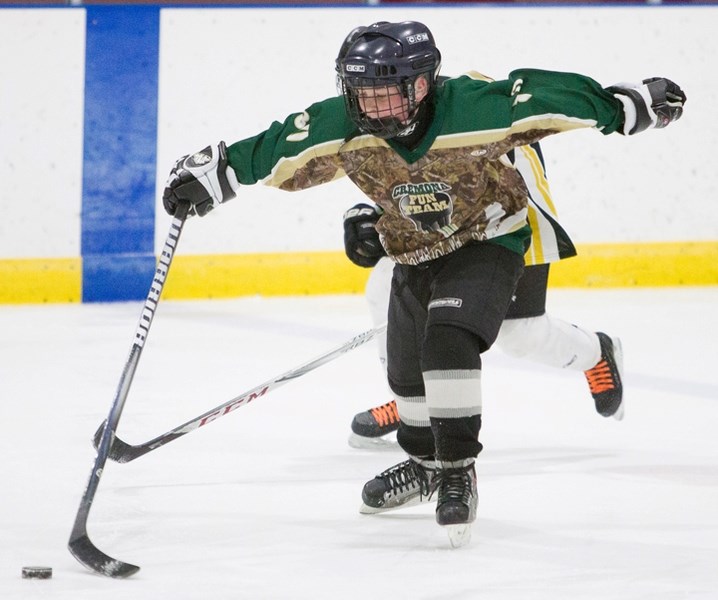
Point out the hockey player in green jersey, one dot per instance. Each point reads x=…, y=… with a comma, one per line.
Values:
x=528, y=331
x=432, y=158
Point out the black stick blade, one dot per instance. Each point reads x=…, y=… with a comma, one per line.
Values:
x=120, y=451
x=96, y=560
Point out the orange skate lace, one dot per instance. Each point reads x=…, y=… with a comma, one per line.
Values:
x=600, y=378
x=386, y=414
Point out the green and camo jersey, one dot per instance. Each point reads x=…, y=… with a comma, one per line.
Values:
x=458, y=185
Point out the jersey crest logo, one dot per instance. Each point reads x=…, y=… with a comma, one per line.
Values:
x=428, y=205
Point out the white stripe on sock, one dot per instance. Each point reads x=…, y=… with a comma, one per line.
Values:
x=413, y=411
x=453, y=393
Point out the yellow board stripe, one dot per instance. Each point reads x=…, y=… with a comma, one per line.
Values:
x=25, y=281
x=282, y=274
x=628, y=265
x=30, y=280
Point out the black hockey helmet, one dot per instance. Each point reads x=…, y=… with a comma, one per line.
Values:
x=386, y=58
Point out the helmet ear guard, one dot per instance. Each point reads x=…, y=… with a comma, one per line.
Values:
x=388, y=58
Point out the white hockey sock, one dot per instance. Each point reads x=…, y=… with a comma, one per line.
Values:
x=378, y=288
x=550, y=341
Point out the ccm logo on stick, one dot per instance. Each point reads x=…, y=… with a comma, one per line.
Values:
x=230, y=407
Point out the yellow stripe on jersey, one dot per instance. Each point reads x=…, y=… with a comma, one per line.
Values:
x=544, y=243
x=539, y=176
x=534, y=255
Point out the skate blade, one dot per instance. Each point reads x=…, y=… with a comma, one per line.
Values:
x=418, y=499
x=618, y=415
x=618, y=350
x=459, y=535
x=377, y=443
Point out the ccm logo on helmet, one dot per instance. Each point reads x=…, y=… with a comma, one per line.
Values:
x=419, y=37
x=355, y=68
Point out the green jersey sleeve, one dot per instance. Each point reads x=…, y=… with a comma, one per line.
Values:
x=530, y=100
x=565, y=97
x=295, y=154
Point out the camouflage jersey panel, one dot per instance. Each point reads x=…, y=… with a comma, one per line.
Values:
x=316, y=171
x=442, y=201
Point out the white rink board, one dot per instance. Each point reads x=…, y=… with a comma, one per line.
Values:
x=250, y=67
x=42, y=73
x=226, y=73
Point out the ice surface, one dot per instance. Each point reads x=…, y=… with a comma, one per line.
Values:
x=263, y=503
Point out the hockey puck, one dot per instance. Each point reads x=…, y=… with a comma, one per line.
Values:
x=37, y=572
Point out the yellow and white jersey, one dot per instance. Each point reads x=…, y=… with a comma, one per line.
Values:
x=549, y=241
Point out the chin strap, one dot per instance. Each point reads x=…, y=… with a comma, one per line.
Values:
x=413, y=134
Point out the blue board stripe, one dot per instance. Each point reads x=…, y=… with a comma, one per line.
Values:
x=120, y=149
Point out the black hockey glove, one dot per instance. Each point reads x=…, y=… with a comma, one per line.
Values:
x=656, y=103
x=361, y=241
x=204, y=179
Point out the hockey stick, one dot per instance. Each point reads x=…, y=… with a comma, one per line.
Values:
x=80, y=545
x=123, y=452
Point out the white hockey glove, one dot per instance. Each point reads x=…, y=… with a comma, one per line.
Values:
x=654, y=103
x=204, y=179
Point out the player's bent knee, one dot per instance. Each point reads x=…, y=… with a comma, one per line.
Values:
x=451, y=347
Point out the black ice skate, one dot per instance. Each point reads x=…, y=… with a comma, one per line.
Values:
x=370, y=427
x=604, y=380
x=400, y=486
x=458, y=498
